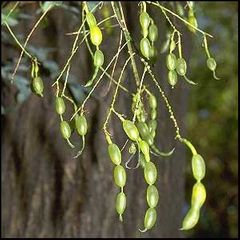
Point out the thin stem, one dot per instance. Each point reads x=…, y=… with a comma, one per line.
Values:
x=206, y=46
x=27, y=39
x=11, y=10
x=183, y=20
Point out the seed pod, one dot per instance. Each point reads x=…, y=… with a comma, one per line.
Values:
x=152, y=125
x=132, y=149
x=153, y=33
x=150, y=173
x=171, y=61
x=145, y=149
x=152, y=101
x=144, y=21
x=37, y=86
x=65, y=129
x=198, y=167
x=198, y=195
x=81, y=125
x=149, y=139
x=153, y=114
x=121, y=203
x=98, y=58
x=191, y=219
x=119, y=176
x=95, y=35
x=181, y=67
x=211, y=64
x=91, y=20
x=172, y=78
x=143, y=129
x=152, y=196
x=114, y=153
x=150, y=218
x=142, y=160
x=131, y=130
x=145, y=48
x=172, y=45
x=193, y=21
x=60, y=105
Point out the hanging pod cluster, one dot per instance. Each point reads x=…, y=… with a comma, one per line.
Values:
x=150, y=35
x=96, y=39
x=65, y=128
x=36, y=83
x=119, y=175
x=198, y=193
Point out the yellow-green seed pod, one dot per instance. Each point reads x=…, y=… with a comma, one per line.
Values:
x=81, y=125
x=191, y=219
x=91, y=20
x=120, y=204
x=150, y=173
x=142, y=160
x=60, y=105
x=152, y=101
x=181, y=67
x=144, y=21
x=150, y=218
x=198, y=167
x=145, y=48
x=171, y=61
x=37, y=86
x=131, y=130
x=153, y=33
x=144, y=149
x=119, y=176
x=153, y=114
x=96, y=35
x=211, y=64
x=114, y=153
x=198, y=195
x=65, y=129
x=193, y=21
x=152, y=196
x=172, y=45
x=98, y=59
x=172, y=78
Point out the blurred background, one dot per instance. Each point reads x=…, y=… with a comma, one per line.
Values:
x=211, y=119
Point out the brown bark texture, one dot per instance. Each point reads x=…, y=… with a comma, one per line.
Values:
x=48, y=193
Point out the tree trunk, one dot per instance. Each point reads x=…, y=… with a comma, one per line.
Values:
x=48, y=193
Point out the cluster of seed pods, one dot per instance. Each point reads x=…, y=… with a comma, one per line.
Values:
x=150, y=35
x=96, y=39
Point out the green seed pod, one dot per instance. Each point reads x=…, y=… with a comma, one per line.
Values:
x=198, y=195
x=142, y=117
x=211, y=64
x=121, y=203
x=143, y=129
x=150, y=173
x=149, y=139
x=153, y=114
x=81, y=125
x=198, y=167
x=191, y=219
x=119, y=176
x=152, y=101
x=37, y=86
x=145, y=48
x=60, y=105
x=142, y=160
x=95, y=35
x=131, y=130
x=172, y=78
x=98, y=58
x=181, y=67
x=153, y=33
x=145, y=149
x=91, y=20
x=132, y=149
x=172, y=46
x=171, y=61
x=152, y=125
x=193, y=21
x=153, y=133
x=144, y=21
x=65, y=129
x=150, y=218
x=114, y=153
x=152, y=196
